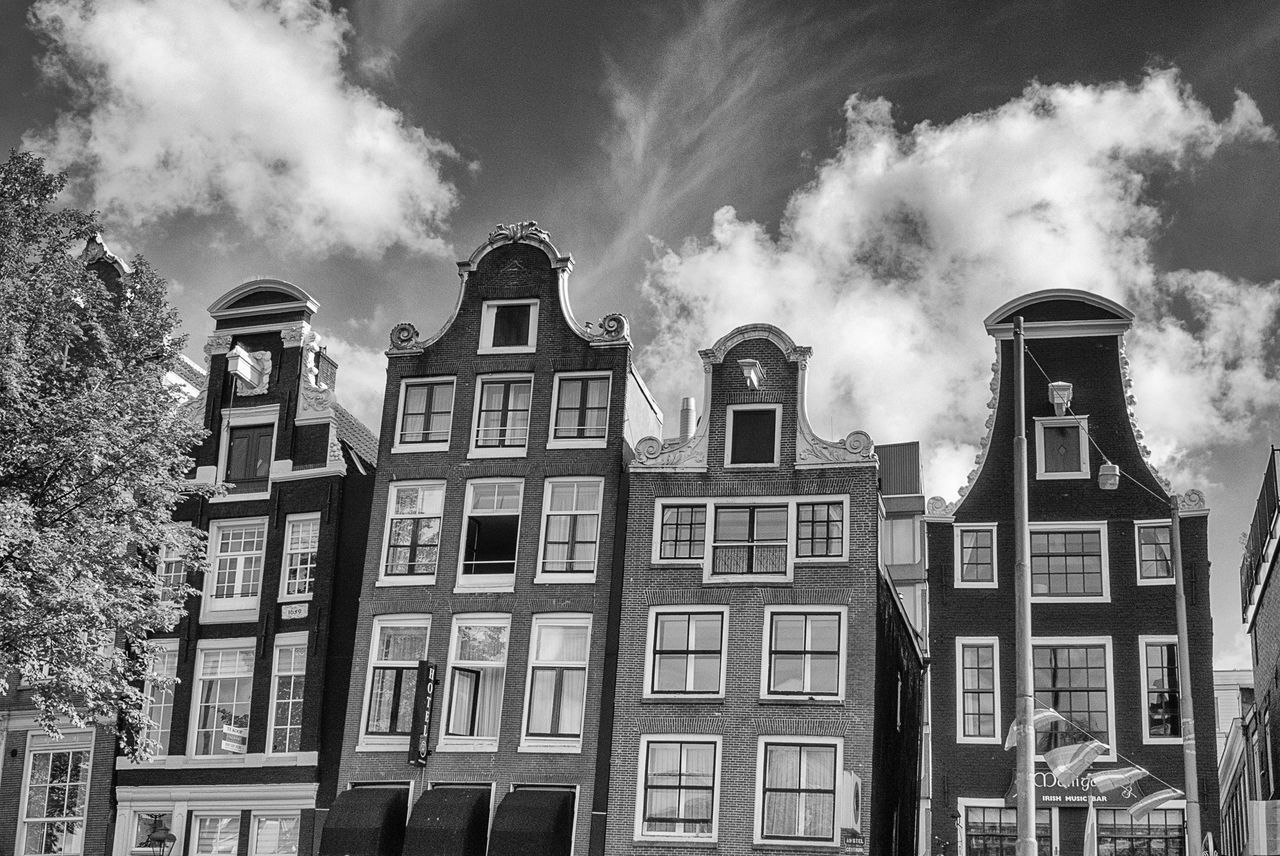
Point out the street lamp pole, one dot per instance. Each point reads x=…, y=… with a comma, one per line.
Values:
x=1025, y=690
x=1189, y=774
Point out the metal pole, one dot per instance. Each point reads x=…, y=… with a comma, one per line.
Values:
x=1026, y=705
x=1191, y=785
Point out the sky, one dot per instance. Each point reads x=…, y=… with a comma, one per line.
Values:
x=874, y=178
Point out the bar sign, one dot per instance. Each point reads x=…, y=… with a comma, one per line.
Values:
x=423, y=697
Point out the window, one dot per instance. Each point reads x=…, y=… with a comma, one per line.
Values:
x=502, y=415
x=224, y=685
x=804, y=652
x=753, y=436
x=978, y=690
x=1062, y=447
x=750, y=540
x=491, y=533
x=160, y=698
x=797, y=790
x=684, y=531
x=557, y=677
x=1069, y=561
x=975, y=552
x=687, y=646
x=1163, y=717
x=301, y=540
x=899, y=543
x=678, y=781
x=1160, y=831
x=819, y=529
x=477, y=672
x=217, y=834
x=399, y=642
x=580, y=413
x=144, y=824
x=274, y=835
x=991, y=830
x=1073, y=678
x=509, y=326
x=413, y=532
x=571, y=526
x=426, y=411
x=171, y=570
x=55, y=798
x=234, y=578
x=249, y=451
x=1155, y=565
x=288, y=685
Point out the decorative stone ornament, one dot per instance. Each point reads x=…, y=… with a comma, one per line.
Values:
x=404, y=337
x=613, y=329
x=857, y=448
x=513, y=232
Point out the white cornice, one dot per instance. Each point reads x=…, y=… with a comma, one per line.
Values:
x=1061, y=329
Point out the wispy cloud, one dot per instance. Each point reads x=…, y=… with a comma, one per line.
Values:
x=362, y=378
x=890, y=259
x=239, y=107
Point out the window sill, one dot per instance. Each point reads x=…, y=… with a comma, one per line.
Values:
x=408, y=580
x=822, y=560
x=514, y=452
x=976, y=585
x=550, y=746
x=746, y=579
x=808, y=846
x=502, y=583
x=1156, y=581
x=673, y=841
x=294, y=598
x=206, y=762
x=241, y=497
x=1068, y=598
x=821, y=701
x=383, y=744
x=768, y=465
x=593, y=443
x=454, y=744
x=228, y=616
x=565, y=579
x=683, y=698
x=1062, y=476
x=409, y=448
x=491, y=350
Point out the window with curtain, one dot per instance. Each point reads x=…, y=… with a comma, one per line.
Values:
x=750, y=540
x=160, y=698
x=1154, y=561
x=798, y=794
x=502, y=419
x=224, y=686
x=572, y=526
x=1073, y=680
x=413, y=530
x=301, y=540
x=477, y=672
x=557, y=676
x=687, y=652
x=398, y=644
x=217, y=835
x=57, y=792
x=679, y=798
x=977, y=556
x=275, y=835
x=289, y=685
x=582, y=408
x=249, y=450
x=804, y=656
x=426, y=412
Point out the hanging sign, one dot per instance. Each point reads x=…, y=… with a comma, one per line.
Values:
x=235, y=739
x=423, y=696
x=1052, y=793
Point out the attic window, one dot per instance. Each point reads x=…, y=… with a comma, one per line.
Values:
x=1062, y=448
x=752, y=436
x=508, y=326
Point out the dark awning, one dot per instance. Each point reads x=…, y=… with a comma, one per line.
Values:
x=533, y=823
x=449, y=822
x=365, y=822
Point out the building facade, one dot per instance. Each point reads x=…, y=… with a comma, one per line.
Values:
x=1103, y=618
x=492, y=567
x=248, y=733
x=769, y=680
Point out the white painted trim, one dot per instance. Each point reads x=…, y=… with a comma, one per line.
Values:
x=842, y=612
x=1081, y=423
x=474, y=451
x=203, y=646
x=645, y=739
x=214, y=762
x=730, y=412
x=838, y=780
x=963, y=803
x=487, y=582
x=283, y=640
x=489, y=308
x=1102, y=527
x=576, y=577
x=237, y=417
x=397, y=447
x=975, y=641
x=957, y=557
x=73, y=740
x=389, y=517
x=1143, y=641
x=651, y=638
x=571, y=745
x=464, y=743
x=576, y=443
x=259, y=814
x=289, y=521
x=1082, y=641
x=386, y=742
x=1137, y=552
x=210, y=615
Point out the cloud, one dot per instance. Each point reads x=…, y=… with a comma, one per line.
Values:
x=240, y=107
x=889, y=260
x=362, y=378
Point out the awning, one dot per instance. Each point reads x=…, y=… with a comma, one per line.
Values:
x=533, y=823
x=365, y=822
x=449, y=822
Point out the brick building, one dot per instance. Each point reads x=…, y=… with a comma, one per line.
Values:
x=262, y=658
x=493, y=563
x=769, y=681
x=1103, y=610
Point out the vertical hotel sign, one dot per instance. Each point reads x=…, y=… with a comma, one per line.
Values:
x=423, y=697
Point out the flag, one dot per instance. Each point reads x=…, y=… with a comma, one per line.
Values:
x=1139, y=809
x=1068, y=762
x=1091, y=830
x=1109, y=780
x=1038, y=719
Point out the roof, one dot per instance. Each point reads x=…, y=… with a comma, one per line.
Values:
x=354, y=433
x=185, y=368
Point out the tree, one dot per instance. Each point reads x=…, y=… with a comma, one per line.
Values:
x=93, y=460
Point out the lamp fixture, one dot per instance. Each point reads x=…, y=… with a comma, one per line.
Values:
x=1060, y=396
x=160, y=839
x=753, y=372
x=243, y=365
x=1109, y=476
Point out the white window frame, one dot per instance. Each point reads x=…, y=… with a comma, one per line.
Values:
x=73, y=740
x=570, y=577
x=1138, y=526
x=468, y=743
x=136, y=813
x=385, y=579
x=1080, y=642
x=488, y=582
x=488, y=312
x=958, y=558
x=476, y=451
x=399, y=447
x=167, y=558
x=289, y=522
x=266, y=814
x=168, y=648
x=842, y=612
x=584, y=442
x=366, y=742
x=197, y=816
x=838, y=782
x=886, y=525
x=710, y=504
x=245, y=417
x=284, y=640
x=1103, y=529
x=1080, y=422
x=730, y=412
x=1171, y=805
x=972, y=641
x=532, y=743
x=641, y=770
x=1143, y=641
x=963, y=803
x=204, y=646
x=651, y=639
x=209, y=614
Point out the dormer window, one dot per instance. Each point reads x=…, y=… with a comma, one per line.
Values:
x=752, y=436
x=1062, y=447
x=509, y=326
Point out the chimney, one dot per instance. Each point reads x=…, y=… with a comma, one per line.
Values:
x=688, y=417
